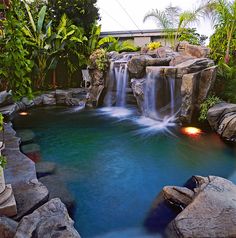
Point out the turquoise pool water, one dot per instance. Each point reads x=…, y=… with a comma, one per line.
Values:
x=116, y=166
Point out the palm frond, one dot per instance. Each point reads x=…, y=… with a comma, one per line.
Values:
x=160, y=18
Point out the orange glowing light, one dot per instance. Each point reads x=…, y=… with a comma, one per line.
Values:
x=191, y=131
x=23, y=113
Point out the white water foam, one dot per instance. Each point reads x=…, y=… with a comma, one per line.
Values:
x=119, y=112
x=151, y=127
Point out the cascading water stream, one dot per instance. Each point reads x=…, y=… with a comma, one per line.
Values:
x=158, y=103
x=172, y=95
x=150, y=89
x=115, y=100
x=121, y=75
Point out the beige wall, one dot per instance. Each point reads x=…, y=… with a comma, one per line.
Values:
x=142, y=41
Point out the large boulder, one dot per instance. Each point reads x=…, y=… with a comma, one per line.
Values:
x=5, y=98
x=178, y=59
x=49, y=99
x=193, y=66
x=137, y=65
x=62, y=96
x=212, y=212
x=7, y=227
x=48, y=221
x=27, y=102
x=166, y=52
x=29, y=196
x=57, y=189
x=222, y=119
x=166, y=206
x=193, y=50
x=194, y=90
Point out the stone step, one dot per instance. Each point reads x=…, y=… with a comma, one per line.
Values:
x=58, y=189
x=32, y=151
x=26, y=136
x=29, y=196
x=45, y=168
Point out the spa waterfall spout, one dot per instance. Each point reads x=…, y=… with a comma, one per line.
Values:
x=158, y=93
x=118, y=80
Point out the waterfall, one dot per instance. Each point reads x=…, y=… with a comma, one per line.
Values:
x=150, y=97
x=158, y=95
x=118, y=79
x=109, y=96
x=172, y=95
x=121, y=75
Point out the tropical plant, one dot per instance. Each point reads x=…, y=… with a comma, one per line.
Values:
x=206, y=105
x=166, y=20
x=110, y=43
x=223, y=16
x=172, y=20
x=82, y=13
x=15, y=63
x=93, y=39
x=48, y=46
x=39, y=42
x=190, y=35
x=154, y=45
x=226, y=82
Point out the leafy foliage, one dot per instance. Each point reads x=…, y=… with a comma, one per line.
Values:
x=112, y=44
x=99, y=59
x=1, y=122
x=206, y=105
x=190, y=35
x=3, y=161
x=154, y=45
x=49, y=44
x=223, y=15
x=226, y=82
x=83, y=13
x=15, y=63
x=173, y=18
x=218, y=44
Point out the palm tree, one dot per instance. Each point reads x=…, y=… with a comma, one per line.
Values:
x=223, y=15
x=166, y=20
x=173, y=18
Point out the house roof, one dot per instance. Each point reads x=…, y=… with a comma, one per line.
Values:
x=133, y=33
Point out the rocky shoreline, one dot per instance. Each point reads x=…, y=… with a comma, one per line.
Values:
x=32, y=199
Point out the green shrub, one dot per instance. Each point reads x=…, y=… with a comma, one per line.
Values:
x=226, y=82
x=99, y=59
x=190, y=35
x=206, y=105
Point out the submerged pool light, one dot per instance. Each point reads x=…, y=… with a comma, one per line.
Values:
x=191, y=131
x=23, y=113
